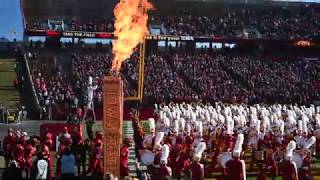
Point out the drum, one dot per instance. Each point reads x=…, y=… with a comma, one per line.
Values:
x=296, y=157
x=223, y=158
x=147, y=157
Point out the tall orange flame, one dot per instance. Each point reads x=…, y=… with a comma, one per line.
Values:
x=131, y=20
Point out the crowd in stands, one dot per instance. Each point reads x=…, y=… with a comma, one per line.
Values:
x=95, y=65
x=204, y=72
x=65, y=93
x=98, y=65
x=162, y=83
x=102, y=25
x=231, y=78
x=54, y=88
x=277, y=80
x=209, y=77
x=270, y=24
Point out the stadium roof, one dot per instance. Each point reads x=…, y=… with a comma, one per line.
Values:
x=83, y=9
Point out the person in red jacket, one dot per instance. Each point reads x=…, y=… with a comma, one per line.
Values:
x=8, y=146
x=235, y=168
x=29, y=151
x=18, y=155
x=45, y=152
x=95, y=162
x=181, y=163
x=305, y=153
x=165, y=171
x=197, y=169
x=124, y=154
x=47, y=139
x=289, y=171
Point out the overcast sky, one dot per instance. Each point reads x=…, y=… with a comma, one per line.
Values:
x=10, y=19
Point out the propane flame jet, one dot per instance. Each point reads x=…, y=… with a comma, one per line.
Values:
x=131, y=20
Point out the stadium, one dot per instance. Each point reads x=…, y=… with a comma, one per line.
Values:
x=160, y=89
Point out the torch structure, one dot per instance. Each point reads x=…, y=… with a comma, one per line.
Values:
x=112, y=123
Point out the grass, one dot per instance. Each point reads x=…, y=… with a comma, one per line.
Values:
x=9, y=96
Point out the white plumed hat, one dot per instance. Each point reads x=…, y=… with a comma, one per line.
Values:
x=317, y=118
x=176, y=127
x=182, y=124
x=229, y=125
x=258, y=123
x=166, y=122
x=198, y=151
x=282, y=128
x=165, y=154
x=90, y=80
x=200, y=129
x=310, y=142
x=238, y=146
x=188, y=129
x=291, y=146
x=157, y=141
x=304, y=126
x=152, y=125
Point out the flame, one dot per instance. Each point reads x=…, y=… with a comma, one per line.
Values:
x=131, y=20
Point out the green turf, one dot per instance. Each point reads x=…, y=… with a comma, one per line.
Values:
x=9, y=96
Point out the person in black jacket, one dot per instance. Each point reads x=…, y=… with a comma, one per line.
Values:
x=12, y=172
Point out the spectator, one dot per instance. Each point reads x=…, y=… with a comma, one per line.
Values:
x=13, y=172
x=67, y=165
x=2, y=109
x=40, y=168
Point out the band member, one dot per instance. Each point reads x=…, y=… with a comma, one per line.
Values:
x=235, y=168
x=95, y=164
x=18, y=155
x=165, y=171
x=76, y=147
x=157, y=151
x=299, y=138
x=181, y=163
x=317, y=134
x=124, y=154
x=306, y=156
x=45, y=152
x=8, y=146
x=197, y=169
x=289, y=171
x=29, y=151
x=148, y=141
x=47, y=139
x=23, y=139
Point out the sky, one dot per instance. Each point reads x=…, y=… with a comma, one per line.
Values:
x=11, y=19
